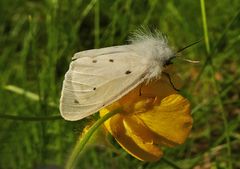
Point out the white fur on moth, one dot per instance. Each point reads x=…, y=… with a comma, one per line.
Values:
x=98, y=77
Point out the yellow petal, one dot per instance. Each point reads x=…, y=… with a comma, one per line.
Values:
x=143, y=137
x=133, y=137
x=144, y=106
x=153, y=114
x=171, y=119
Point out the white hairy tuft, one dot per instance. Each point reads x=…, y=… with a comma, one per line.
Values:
x=153, y=50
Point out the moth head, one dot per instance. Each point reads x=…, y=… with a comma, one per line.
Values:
x=169, y=61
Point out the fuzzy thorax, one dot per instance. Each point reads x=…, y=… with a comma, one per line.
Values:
x=154, y=52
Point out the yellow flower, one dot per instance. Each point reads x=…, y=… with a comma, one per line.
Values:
x=153, y=115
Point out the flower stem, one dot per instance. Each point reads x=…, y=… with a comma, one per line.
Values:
x=72, y=161
x=205, y=27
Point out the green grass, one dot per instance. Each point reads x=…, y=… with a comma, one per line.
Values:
x=38, y=39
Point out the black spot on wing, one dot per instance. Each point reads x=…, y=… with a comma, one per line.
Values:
x=111, y=60
x=128, y=72
x=75, y=101
x=94, y=88
x=94, y=61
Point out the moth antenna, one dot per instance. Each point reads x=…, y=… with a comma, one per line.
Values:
x=182, y=49
x=189, y=60
x=177, y=54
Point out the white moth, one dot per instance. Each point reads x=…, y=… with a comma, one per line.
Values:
x=98, y=77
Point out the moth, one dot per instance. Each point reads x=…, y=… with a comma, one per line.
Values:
x=98, y=77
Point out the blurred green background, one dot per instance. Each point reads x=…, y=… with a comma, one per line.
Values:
x=38, y=39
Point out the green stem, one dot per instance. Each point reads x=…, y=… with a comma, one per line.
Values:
x=205, y=27
x=30, y=95
x=72, y=161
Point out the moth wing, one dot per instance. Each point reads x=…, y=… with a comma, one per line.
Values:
x=102, y=51
x=92, y=83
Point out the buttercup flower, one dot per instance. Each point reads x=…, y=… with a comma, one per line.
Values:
x=152, y=115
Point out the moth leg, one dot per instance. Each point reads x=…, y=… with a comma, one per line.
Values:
x=149, y=101
x=153, y=100
x=170, y=80
x=140, y=90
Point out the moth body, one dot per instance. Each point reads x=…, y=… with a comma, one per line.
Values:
x=154, y=53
